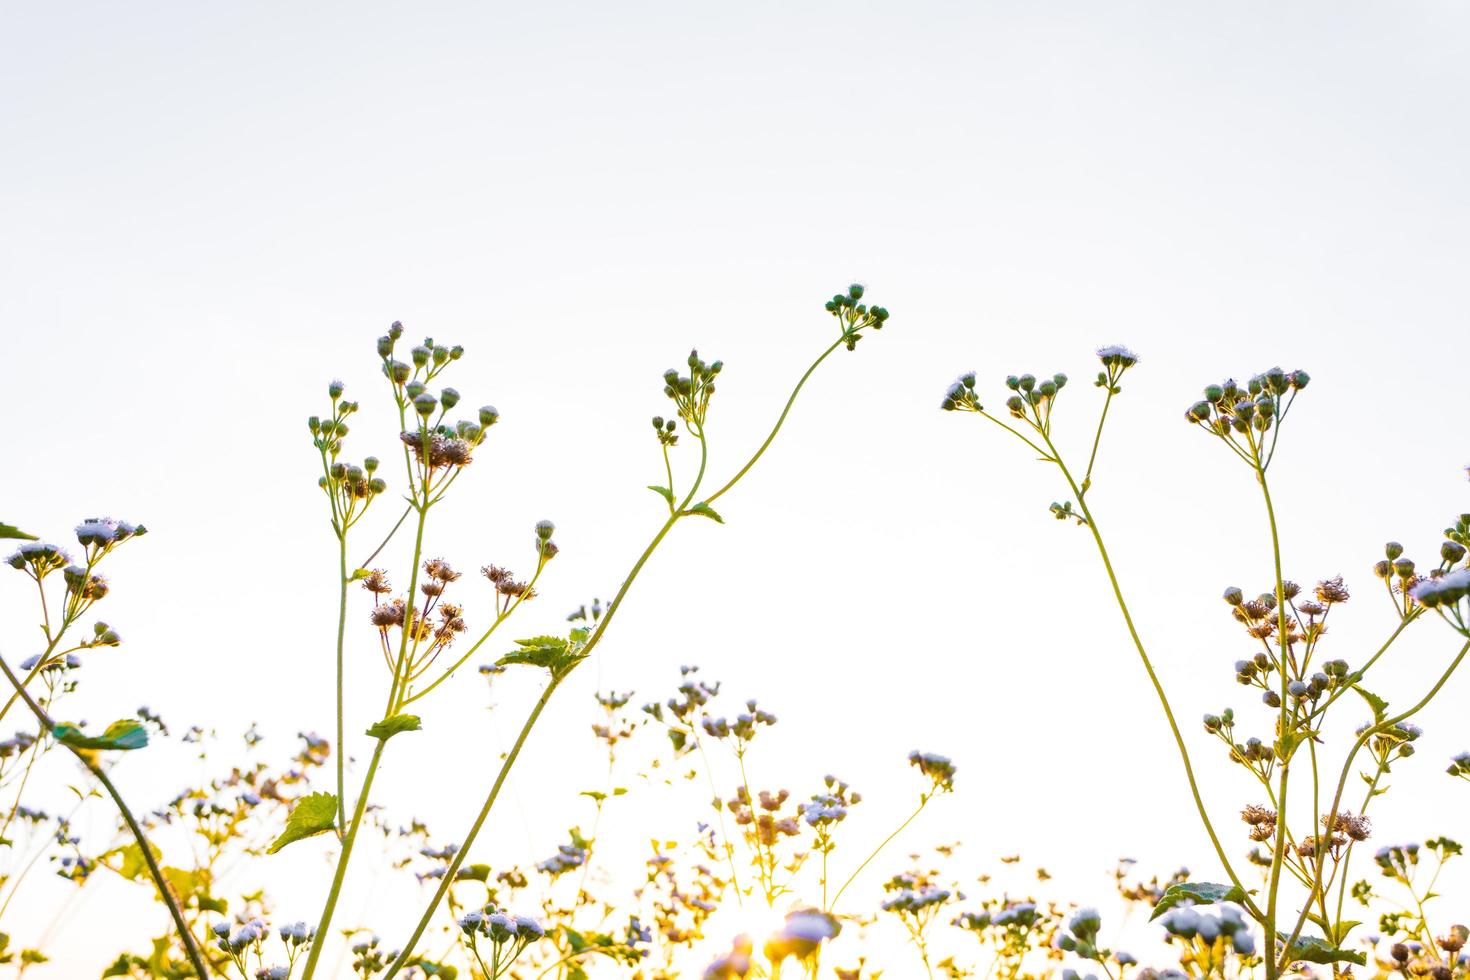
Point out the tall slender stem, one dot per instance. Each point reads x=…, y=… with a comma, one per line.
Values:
x=1153, y=677
x=923, y=802
x=341, y=874
x=780, y=421
x=449, y=873
x=1363, y=739
x=165, y=890
x=1278, y=854
x=341, y=747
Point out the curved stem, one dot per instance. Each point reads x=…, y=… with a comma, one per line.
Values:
x=781, y=420
x=1153, y=677
x=923, y=802
x=165, y=891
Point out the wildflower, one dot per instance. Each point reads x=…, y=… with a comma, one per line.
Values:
x=1444, y=590
x=937, y=767
x=1331, y=591
x=1117, y=356
x=734, y=965
x=801, y=936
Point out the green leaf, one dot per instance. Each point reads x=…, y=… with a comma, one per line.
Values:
x=555, y=653
x=123, y=735
x=474, y=872
x=1313, y=949
x=1379, y=706
x=665, y=493
x=705, y=510
x=9, y=531
x=312, y=815
x=1199, y=893
x=389, y=727
x=132, y=864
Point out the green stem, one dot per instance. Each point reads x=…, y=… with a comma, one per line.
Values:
x=1284, y=725
x=165, y=891
x=341, y=874
x=777, y=428
x=341, y=746
x=923, y=802
x=449, y=874
x=1363, y=739
x=1153, y=677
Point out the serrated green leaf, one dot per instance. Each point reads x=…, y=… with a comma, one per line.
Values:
x=124, y=735
x=705, y=510
x=557, y=654
x=1379, y=706
x=312, y=815
x=10, y=531
x=389, y=727
x=1199, y=893
x=663, y=492
x=1314, y=949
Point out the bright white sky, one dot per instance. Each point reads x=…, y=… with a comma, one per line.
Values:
x=207, y=211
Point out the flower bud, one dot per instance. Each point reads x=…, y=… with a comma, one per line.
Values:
x=544, y=530
x=1452, y=551
x=1392, y=550
x=385, y=346
x=489, y=415
x=855, y=291
x=420, y=355
x=448, y=397
x=425, y=403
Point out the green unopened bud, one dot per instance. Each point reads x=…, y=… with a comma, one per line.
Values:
x=441, y=356
x=334, y=390
x=415, y=388
x=448, y=397
x=398, y=371
x=420, y=355
x=1198, y=412
x=1451, y=551
x=1300, y=379
x=1392, y=550
x=385, y=346
x=1060, y=380
x=1027, y=382
x=314, y=424
x=1234, y=596
x=396, y=330
x=489, y=415
x=1047, y=389
x=377, y=484
x=425, y=404
x=544, y=530
x=1404, y=568
x=370, y=464
x=855, y=291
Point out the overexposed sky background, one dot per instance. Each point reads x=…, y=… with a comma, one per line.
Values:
x=208, y=211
